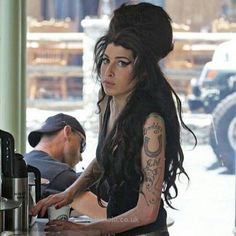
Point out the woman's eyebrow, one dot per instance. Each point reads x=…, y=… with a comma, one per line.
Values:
x=119, y=57
x=123, y=57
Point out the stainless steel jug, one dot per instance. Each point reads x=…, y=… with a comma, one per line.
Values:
x=17, y=188
x=15, y=184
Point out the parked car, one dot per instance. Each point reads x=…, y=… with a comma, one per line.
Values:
x=215, y=93
x=217, y=81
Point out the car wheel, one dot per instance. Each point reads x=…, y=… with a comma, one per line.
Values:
x=223, y=131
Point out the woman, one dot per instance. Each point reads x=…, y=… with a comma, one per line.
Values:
x=139, y=153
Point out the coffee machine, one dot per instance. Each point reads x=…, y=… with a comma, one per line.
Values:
x=14, y=185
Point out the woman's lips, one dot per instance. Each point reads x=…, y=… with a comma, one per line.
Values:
x=108, y=83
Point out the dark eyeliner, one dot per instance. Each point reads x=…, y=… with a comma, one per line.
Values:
x=126, y=63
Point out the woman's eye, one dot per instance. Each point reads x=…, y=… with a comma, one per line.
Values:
x=123, y=63
x=105, y=60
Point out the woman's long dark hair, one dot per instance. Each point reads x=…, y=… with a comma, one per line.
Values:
x=150, y=39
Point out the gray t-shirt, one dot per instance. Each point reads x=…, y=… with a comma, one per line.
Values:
x=60, y=175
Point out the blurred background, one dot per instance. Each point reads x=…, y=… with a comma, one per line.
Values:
x=202, y=69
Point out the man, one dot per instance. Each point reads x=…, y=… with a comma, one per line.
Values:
x=58, y=146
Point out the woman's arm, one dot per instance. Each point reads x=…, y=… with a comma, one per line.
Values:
x=153, y=163
x=88, y=177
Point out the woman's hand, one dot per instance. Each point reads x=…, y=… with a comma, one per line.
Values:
x=69, y=228
x=66, y=197
x=59, y=200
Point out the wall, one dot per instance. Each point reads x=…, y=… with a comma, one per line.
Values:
x=200, y=13
x=33, y=8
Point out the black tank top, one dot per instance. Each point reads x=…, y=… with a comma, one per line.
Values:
x=123, y=195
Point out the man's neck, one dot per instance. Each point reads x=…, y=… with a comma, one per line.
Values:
x=49, y=150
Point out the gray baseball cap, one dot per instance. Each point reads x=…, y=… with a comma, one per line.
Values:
x=53, y=124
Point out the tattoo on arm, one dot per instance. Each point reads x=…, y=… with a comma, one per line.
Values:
x=96, y=171
x=153, y=146
x=151, y=176
x=149, y=152
x=90, y=175
x=156, y=129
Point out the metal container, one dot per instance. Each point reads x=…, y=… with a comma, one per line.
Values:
x=17, y=220
x=14, y=186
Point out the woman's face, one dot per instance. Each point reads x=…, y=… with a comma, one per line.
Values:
x=117, y=71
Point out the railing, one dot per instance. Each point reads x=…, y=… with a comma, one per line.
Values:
x=55, y=37
x=49, y=55
x=192, y=51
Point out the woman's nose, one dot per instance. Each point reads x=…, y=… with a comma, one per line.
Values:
x=109, y=72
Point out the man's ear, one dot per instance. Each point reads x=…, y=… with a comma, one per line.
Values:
x=67, y=131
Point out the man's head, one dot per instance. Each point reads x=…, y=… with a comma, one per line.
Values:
x=62, y=137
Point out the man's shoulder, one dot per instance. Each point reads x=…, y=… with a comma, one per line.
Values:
x=36, y=154
x=45, y=163
x=36, y=157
